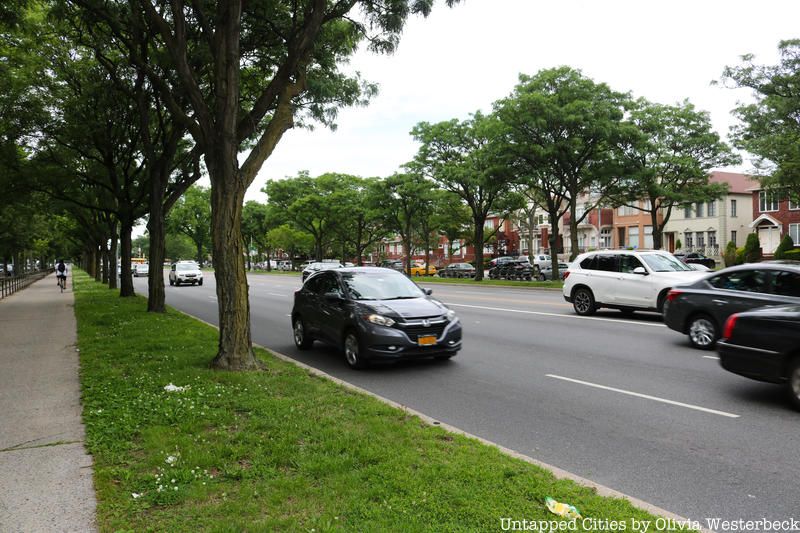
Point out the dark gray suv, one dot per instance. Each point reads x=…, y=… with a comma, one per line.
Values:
x=373, y=314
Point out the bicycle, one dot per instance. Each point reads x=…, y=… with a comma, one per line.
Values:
x=62, y=282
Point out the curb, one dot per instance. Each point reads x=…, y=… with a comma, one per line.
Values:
x=557, y=472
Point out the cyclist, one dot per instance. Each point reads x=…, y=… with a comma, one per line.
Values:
x=61, y=274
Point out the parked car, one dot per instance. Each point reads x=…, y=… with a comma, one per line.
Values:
x=185, y=272
x=764, y=344
x=501, y=261
x=700, y=309
x=373, y=314
x=628, y=280
x=140, y=269
x=540, y=261
x=512, y=270
x=318, y=266
x=457, y=270
x=394, y=264
x=546, y=273
x=420, y=270
x=696, y=258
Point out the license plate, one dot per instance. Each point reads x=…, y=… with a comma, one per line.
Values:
x=426, y=340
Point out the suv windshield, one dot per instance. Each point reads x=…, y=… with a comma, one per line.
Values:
x=380, y=286
x=664, y=263
x=187, y=266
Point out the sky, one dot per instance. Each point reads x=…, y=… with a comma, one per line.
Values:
x=462, y=59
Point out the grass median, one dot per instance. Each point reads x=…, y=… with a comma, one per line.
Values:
x=277, y=450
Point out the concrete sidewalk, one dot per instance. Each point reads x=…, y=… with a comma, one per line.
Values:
x=45, y=473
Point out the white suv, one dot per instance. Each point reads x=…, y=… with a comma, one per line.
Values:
x=185, y=272
x=627, y=280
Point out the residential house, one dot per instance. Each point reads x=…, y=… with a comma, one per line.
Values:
x=633, y=226
x=707, y=227
x=775, y=216
x=594, y=231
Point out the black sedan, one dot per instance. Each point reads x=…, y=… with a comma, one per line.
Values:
x=316, y=267
x=373, y=314
x=696, y=258
x=701, y=308
x=764, y=345
x=457, y=270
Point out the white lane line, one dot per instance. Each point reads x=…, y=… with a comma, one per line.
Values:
x=646, y=396
x=277, y=294
x=212, y=297
x=559, y=315
x=711, y=357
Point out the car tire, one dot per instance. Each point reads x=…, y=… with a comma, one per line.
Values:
x=542, y=277
x=177, y=283
x=583, y=302
x=793, y=383
x=661, y=299
x=702, y=331
x=353, y=350
x=200, y=282
x=301, y=338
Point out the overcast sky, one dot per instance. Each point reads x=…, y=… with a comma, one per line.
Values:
x=462, y=59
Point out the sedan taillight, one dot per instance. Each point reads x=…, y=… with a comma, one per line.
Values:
x=727, y=332
x=566, y=274
x=673, y=294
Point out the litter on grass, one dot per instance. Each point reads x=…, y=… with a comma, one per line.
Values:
x=561, y=509
x=175, y=388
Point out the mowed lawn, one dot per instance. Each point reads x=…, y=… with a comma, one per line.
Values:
x=276, y=450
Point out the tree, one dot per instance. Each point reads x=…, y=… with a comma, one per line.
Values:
x=770, y=129
x=361, y=225
x=730, y=254
x=290, y=239
x=669, y=163
x=565, y=133
x=251, y=70
x=257, y=220
x=451, y=218
x=465, y=159
x=786, y=244
x=191, y=216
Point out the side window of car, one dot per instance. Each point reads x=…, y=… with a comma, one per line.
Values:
x=741, y=280
x=607, y=263
x=787, y=283
x=314, y=284
x=329, y=283
x=627, y=263
x=590, y=263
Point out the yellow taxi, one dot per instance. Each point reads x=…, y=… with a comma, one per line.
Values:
x=418, y=269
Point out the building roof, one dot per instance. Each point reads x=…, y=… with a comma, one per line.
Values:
x=737, y=183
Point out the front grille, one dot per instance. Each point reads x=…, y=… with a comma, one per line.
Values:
x=416, y=330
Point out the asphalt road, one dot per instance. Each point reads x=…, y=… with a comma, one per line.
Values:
x=622, y=401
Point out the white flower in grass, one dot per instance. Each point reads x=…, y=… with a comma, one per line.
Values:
x=135, y=495
x=171, y=460
x=175, y=388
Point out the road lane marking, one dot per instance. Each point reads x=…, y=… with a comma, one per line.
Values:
x=511, y=300
x=212, y=297
x=645, y=396
x=559, y=315
x=277, y=294
x=711, y=357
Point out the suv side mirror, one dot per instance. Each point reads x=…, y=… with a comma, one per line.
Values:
x=333, y=297
x=640, y=270
x=428, y=291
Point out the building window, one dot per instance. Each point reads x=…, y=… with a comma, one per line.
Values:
x=712, y=208
x=698, y=207
x=633, y=237
x=689, y=244
x=687, y=211
x=733, y=237
x=767, y=201
x=648, y=237
x=794, y=205
x=712, y=239
x=794, y=232
x=733, y=208
x=605, y=238
x=701, y=239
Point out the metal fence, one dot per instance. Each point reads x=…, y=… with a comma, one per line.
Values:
x=12, y=284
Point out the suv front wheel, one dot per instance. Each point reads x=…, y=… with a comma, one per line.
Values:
x=583, y=302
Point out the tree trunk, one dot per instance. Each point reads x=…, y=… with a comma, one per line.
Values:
x=98, y=275
x=106, y=263
x=553, y=239
x=573, y=234
x=478, y=244
x=658, y=234
x=235, y=345
x=157, y=232
x=126, y=281
x=531, y=234
x=249, y=258
x=199, y=253
x=112, y=281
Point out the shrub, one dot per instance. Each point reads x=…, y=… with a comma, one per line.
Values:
x=739, y=256
x=729, y=256
x=786, y=245
x=794, y=255
x=752, y=249
x=678, y=245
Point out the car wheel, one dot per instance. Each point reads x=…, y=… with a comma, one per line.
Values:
x=417, y=274
x=583, y=302
x=794, y=382
x=661, y=299
x=178, y=282
x=702, y=332
x=542, y=277
x=301, y=339
x=352, y=350
x=200, y=282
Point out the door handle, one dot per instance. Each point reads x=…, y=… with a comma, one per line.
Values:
x=720, y=302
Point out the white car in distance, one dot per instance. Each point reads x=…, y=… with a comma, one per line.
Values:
x=628, y=280
x=185, y=272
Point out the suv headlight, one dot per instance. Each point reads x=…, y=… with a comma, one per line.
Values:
x=380, y=320
x=451, y=315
